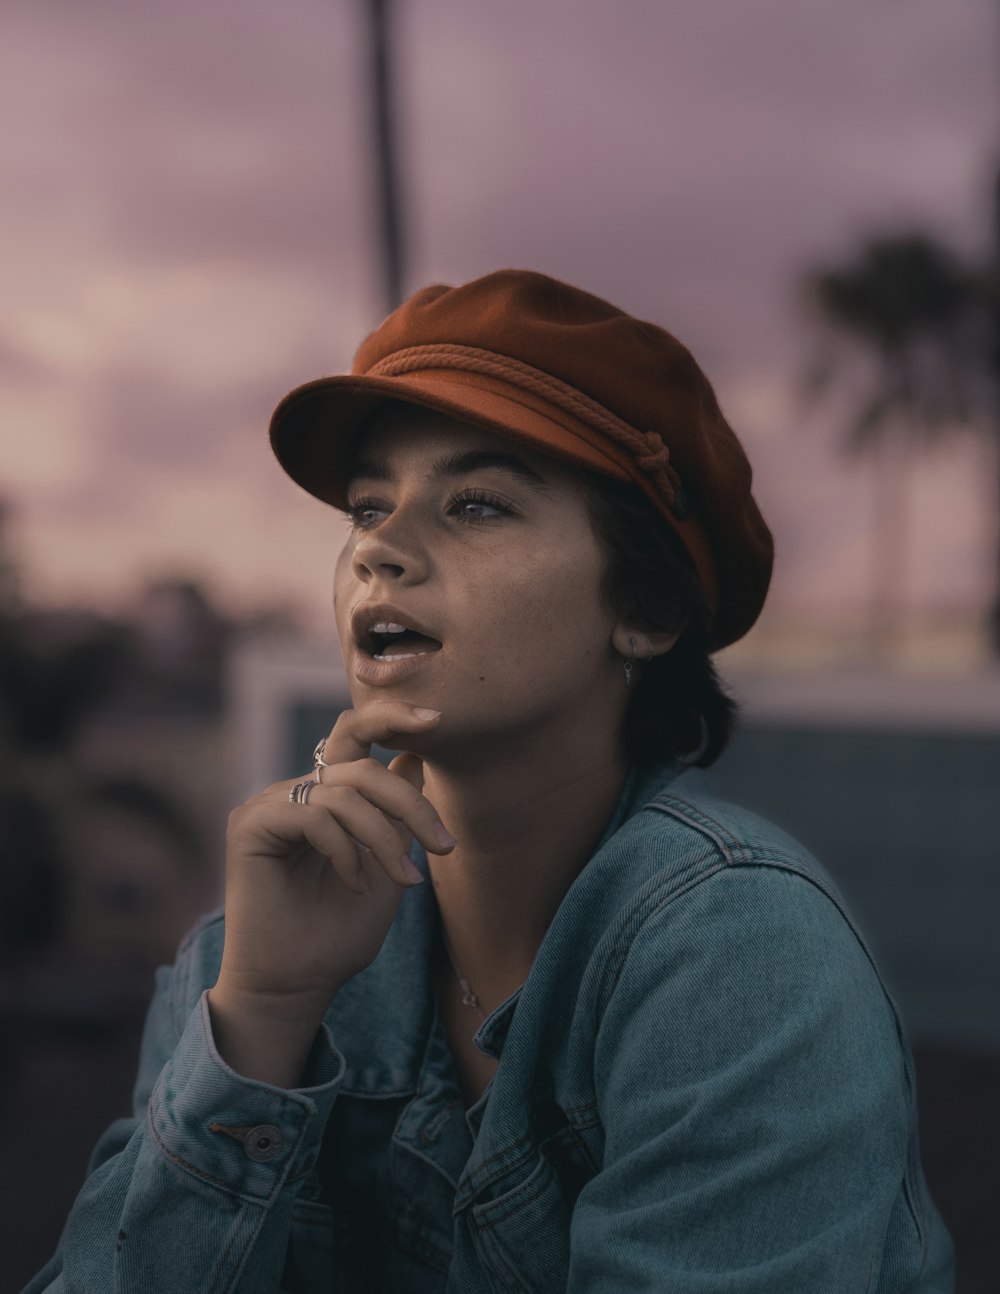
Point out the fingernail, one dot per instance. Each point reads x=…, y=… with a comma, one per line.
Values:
x=421, y=713
x=443, y=836
x=412, y=871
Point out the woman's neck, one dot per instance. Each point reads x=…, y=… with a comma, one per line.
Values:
x=525, y=823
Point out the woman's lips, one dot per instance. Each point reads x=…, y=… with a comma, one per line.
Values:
x=380, y=672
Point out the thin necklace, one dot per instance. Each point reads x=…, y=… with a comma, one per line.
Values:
x=469, y=998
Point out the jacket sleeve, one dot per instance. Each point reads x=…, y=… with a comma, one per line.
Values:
x=752, y=1090
x=195, y=1190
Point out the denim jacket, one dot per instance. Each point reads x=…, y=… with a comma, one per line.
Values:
x=702, y=1085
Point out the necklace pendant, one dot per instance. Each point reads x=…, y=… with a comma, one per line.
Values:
x=469, y=999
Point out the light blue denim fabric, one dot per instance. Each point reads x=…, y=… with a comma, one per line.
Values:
x=702, y=1086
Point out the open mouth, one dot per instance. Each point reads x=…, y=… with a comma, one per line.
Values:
x=399, y=645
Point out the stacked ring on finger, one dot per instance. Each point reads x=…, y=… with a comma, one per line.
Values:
x=319, y=763
x=299, y=794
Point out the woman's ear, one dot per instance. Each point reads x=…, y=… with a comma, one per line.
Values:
x=647, y=643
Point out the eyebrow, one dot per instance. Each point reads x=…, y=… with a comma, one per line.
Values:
x=457, y=463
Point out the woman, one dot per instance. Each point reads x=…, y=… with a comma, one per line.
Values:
x=628, y=1037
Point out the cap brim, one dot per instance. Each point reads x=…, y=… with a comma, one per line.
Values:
x=316, y=428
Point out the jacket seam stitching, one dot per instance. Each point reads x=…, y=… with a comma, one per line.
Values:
x=519, y=1151
x=638, y=920
x=684, y=811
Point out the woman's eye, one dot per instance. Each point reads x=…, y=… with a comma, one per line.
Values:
x=473, y=506
x=358, y=513
x=475, y=500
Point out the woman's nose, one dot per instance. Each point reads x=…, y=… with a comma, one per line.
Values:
x=392, y=550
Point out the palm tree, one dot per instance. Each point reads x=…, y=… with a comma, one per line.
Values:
x=914, y=312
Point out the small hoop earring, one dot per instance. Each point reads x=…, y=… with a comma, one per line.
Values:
x=629, y=663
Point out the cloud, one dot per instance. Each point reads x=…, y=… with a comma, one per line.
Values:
x=17, y=363
x=193, y=234
x=687, y=160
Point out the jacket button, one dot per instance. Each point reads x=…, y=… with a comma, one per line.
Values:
x=263, y=1143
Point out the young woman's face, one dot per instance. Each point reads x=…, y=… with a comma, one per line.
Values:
x=487, y=548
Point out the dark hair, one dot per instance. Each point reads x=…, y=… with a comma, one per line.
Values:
x=679, y=709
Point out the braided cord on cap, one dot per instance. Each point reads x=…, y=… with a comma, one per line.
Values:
x=646, y=447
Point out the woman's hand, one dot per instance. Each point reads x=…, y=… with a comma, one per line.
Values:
x=312, y=889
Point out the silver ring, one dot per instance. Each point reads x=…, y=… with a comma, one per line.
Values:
x=299, y=794
x=318, y=760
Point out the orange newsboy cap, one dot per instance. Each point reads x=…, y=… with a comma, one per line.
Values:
x=544, y=363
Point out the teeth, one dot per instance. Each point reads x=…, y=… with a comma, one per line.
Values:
x=384, y=627
x=407, y=655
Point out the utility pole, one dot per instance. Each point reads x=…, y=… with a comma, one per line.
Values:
x=993, y=298
x=390, y=221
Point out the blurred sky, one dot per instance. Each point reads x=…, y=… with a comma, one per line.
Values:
x=187, y=232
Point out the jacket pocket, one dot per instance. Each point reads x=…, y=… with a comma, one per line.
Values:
x=523, y=1234
x=309, y=1266
x=522, y=1231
